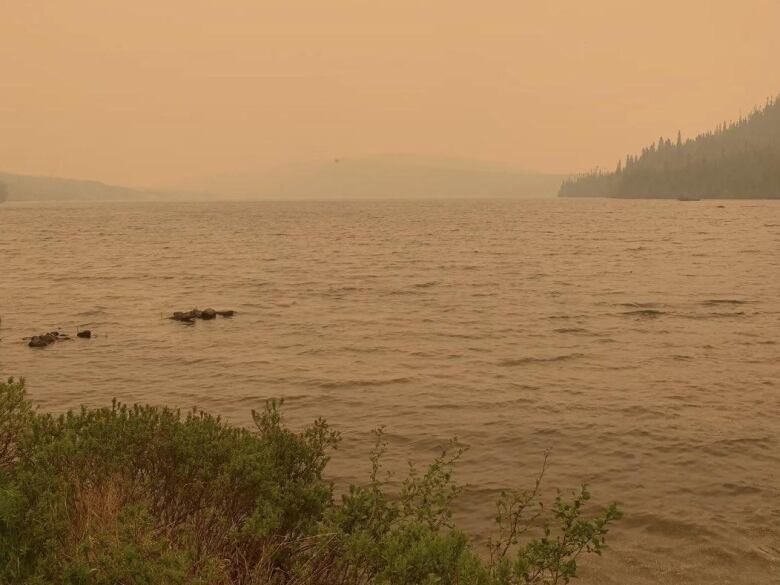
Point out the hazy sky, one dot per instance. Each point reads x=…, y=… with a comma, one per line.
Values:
x=159, y=92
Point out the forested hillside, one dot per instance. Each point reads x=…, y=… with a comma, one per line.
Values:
x=737, y=160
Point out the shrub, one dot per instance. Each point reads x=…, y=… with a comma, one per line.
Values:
x=144, y=495
x=16, y=414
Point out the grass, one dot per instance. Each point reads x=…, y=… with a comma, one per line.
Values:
x=143, y=495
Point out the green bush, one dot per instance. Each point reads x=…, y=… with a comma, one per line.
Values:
x=143, y=495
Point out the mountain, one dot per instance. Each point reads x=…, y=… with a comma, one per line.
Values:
x=387, y=177
x=736, y=160
x=32, y=188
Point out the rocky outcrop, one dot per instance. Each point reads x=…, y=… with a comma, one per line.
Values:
x=186, y=316
x=205, y=314
x=41, y=340
x=45, y=339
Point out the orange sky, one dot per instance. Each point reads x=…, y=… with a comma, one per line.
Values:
x=161, y=92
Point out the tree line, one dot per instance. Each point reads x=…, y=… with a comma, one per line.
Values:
x=738, y=159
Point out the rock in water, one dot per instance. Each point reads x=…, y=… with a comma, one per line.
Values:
x=186, y=317
x=46, y=339
x=38, y=341
x=86, y=334
x=205, y=314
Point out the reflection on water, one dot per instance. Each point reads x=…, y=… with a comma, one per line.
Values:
x=638, y=340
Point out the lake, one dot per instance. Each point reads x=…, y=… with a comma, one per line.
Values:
x=637, y=341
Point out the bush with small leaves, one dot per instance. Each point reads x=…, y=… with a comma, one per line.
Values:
x=145, y=495
x=16, y=415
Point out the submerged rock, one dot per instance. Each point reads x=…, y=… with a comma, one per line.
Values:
x=45, y=339
x=186, y=316
x=86, y=334
x=38, y=341
x=205, y=314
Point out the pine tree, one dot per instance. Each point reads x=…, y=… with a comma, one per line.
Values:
x=740, y=159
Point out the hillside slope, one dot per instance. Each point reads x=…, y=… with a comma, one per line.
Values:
x=388, y=177
x=736, y=160
x=15, y=187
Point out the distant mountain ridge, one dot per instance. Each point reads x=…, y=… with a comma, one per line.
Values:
x=387, y=177
x=15, y=187
x=736, y=160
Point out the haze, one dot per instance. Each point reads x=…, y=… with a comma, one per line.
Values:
x=164, y=93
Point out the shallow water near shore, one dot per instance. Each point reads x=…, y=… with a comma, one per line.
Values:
x=639, y=341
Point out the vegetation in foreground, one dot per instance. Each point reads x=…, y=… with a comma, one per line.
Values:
x=142, y=495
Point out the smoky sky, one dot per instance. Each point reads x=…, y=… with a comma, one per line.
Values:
x=160, y=93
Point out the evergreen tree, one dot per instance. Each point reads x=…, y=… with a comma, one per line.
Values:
x=741, y=159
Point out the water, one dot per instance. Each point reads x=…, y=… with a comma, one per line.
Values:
x=638, y=340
